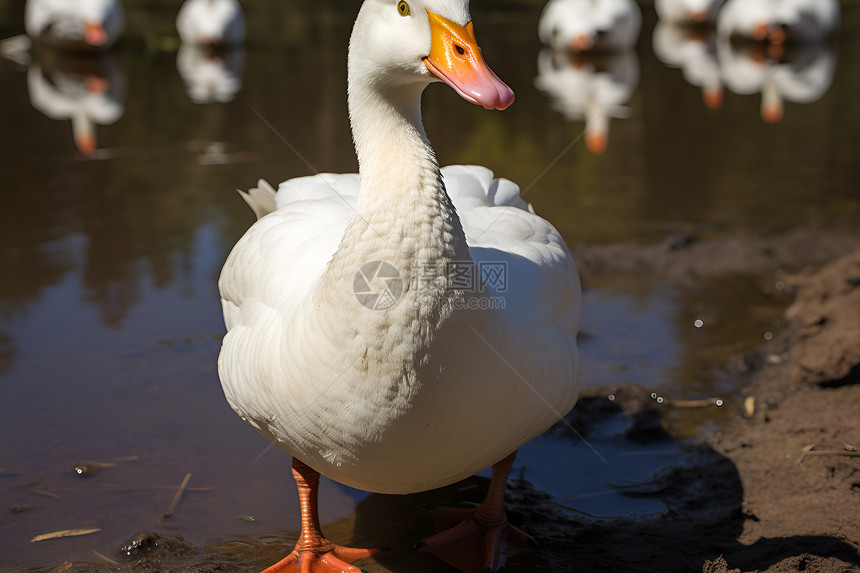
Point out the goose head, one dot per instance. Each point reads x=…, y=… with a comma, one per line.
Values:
x=399, y=44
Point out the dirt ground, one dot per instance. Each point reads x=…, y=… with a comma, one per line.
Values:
x=775, y=490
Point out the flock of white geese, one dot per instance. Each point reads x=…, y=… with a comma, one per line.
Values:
x=353, y=340
x=776, y=48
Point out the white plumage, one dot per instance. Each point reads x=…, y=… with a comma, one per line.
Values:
x=796, y=20
x=377, y=399
x=211, y=22
x=451, y=378
x=75, y=24
x=585, y=25
x=688, y=11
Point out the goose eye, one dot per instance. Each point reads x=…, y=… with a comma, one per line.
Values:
x=403, y=8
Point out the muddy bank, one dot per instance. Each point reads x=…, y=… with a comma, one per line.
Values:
x=685, y=256
x=776, y=489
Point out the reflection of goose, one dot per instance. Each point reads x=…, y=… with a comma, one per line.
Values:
x=75, y=24
x=591, y=89
x=802, y=76
x=90, y=93
x=362, y=337
x=210, y=75
x=695, y=52
x=687, y=11
x=778, y=21
x=213, y=22
x=590, y=25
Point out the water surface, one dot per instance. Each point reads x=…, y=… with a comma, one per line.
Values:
x=110, y=321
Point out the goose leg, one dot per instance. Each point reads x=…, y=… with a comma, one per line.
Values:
x=313, y=552
x=482, y=536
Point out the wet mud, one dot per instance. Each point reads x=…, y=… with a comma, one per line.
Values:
x=776, y=488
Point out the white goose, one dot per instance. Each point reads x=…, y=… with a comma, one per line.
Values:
x=362, y=338
x=75, y=24
x=688, y=11
x=590, y=25
x=211, y=22
x=779, y=21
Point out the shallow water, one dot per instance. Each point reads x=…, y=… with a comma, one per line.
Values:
x=110, y=322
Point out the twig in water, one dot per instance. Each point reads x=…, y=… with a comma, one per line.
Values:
x=106, y=558
x=132, y=487
x=176, y=498
x=64, y=533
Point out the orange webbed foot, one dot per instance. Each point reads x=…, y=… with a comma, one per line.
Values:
x=474, y=545
x=327, y=558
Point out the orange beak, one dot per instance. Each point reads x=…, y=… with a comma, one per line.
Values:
x=94, y=34
x=455, y=58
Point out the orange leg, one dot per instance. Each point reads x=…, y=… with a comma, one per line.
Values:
x=483, y=536
x=313, y=552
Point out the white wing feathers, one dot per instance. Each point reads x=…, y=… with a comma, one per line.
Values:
x=303, y=232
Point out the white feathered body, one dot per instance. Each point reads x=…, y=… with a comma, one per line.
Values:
x=62, y=23
x=430, y=390
x=803, y=20
x=607, y=25
x=217, y=22
x=688, y=11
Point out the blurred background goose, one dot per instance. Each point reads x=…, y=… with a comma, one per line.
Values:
x=405, y=330
x=211, y=22
x=688, y=11
x=778, y=21
x=89, y=25
x=590, y=25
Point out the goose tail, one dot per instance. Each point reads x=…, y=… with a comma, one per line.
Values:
x=261, y=198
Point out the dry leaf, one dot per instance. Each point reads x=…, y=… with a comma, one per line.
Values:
x=64, y=533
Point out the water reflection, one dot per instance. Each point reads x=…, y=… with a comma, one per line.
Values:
x=84, y=90
x=694, y=51
x=590, y=25
x=210, y=74
x=593, y=89
x=801, y=74
x=86, y=25
x=109, y=314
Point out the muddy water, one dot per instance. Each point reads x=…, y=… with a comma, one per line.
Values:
x=109, y=314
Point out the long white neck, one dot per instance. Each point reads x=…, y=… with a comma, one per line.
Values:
x=404, y=216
